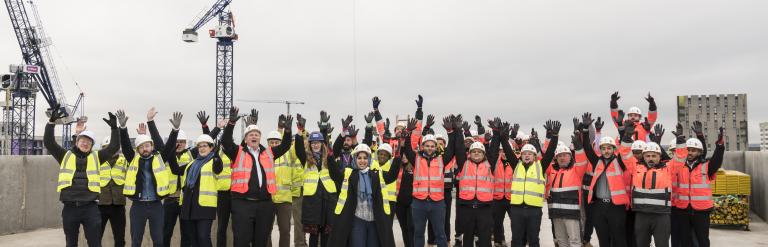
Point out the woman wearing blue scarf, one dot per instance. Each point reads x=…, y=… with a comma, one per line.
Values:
x=199, y=192
x=362, y=212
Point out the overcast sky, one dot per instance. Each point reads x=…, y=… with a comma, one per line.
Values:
x=525, y=61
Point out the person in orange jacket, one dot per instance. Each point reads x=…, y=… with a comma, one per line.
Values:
x=642, y=128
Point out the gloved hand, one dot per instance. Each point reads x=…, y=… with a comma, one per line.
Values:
x=678, y=132
x=411, y=124
x=619, y=118
x=176, y=120
x=504, y=132
x=430, y=121
x=346, y=121
x=300, y=122
x=352, y=131
x=657, y=134
x=651, y=102
x=419, y=101
x=288, y=122
x=721, y=137
x=628, y=132
x=586, y=120
x=698, y=128
x=646, y=125
x=112, y=121
x=387, y=133
x=233, y=115
x=376, y=102
x=548, y=129
x=615, y=100
x=576, y=141
x=448, y=123
x=56, y=113
x=202, y=117
x=324, y=118
x=599, y=124
x=465, y=127
x=253, y=119
x=368, y=118
x=281, y=121
x=122, y=118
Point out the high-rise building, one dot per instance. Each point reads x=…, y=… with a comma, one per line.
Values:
x=714, y=111
x=764, y=136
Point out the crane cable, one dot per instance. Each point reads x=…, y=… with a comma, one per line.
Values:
x=354, y=52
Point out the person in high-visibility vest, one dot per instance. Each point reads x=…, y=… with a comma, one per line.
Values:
x=111, y=198
x=319, y=192
x=475, y=190
x=634, y=114
x=285, y=177
x=199, y=191
x=528, y=187
x=651, y=197
x=79, y=181
x=224, y=180
x=502, y=176
x=253, y=179
x=428, y=178
x=147, y=179
x=564, y=180
x=362, y=211
x=692, y=187
x=608, y=189
x=382, y=160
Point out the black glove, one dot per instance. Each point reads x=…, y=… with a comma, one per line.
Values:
x=430, y=121
x=368, y=117
x=448, y=123
x=233, y=115
x=301, y=122
x=420, y=101
x=698, y=128
x=346, y=121
x=721, y=136
x=657, y=134
x=646, y=125
x=323, y=123
x=678, y=132
x=376, y=102
x=287, y=122
x=112, y=121
x=586, y=120
x=411, y=124
x=615, y=100
x=628, y=132
x=548, y=129
x=176, y=120
x=513, y=131
x=504, y=132
x=651, y=102
x=202, y=117
x=281, y=121
x=599, y=124
x=387, y=133
x=619, y=118
x=576, y=141
x=56, y=113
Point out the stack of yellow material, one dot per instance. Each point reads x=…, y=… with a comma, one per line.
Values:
x=730, y=210
x=730, y=182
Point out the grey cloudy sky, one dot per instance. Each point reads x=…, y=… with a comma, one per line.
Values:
x=525, y=61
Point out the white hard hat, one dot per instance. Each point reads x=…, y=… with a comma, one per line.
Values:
x=385, y=147
x=635, y=110
x=638, y=145
x=477, y=145
x=473, y=132
x=652, y=147
x=105, y=142
x=673, y=144
x=275, y=135
x=694, y=143
x=182, y=136
x=562, y=149
x=204, y=138
x=141, y=139
x=607, y=140
x=528, y=148
x=250, y=128
x=361, y=148
x=427, y=138
x=89, y=134
x=439, y=137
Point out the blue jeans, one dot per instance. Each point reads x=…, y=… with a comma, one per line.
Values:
x=363, y=234
x=434, y=211
x=141, y=212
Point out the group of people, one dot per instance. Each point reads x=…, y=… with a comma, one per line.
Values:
x=347, y=193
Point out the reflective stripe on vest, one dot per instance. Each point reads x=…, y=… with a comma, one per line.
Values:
x=345, y=191
x=159, y=171
x=224, y=179
x=173, y=179
x=114, y=172
x=528, y=185
x=475, y=181
x=428, y=179
x=241, y=170
x=207, y=194
x=693, y=193
x=312, y=177
x=67, y=169
x=616, y=182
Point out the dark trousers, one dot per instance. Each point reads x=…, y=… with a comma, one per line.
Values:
x=629, y=225
x=477, y=219
x=198, y=231
x=115, y=215
x=82, y=213
x=423, y=210
x=692, y=226
x=500, y=209
x=321, y=238
x=431, y=231
x=223, y=208
x=649, y=225
x=406, y=224
x=588, y=229
x=140, y=214
x=526, y=226
x=252, y=222
x=609, y=221
x=363, y=234
x=171, y=212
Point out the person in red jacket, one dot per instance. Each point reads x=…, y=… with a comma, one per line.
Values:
x=642, y=128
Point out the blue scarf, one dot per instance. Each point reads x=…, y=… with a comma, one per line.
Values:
x=364, y=189
x=194, y=169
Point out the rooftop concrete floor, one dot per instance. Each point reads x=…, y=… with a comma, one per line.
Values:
x=757, y=236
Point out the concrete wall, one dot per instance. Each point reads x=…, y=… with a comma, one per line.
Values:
x=28, y=196
x=754, y=164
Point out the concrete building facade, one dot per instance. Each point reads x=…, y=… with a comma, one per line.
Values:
x=727, y=110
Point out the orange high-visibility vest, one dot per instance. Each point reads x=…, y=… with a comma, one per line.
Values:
x=502, y=178
x=651, y=189
x=476, y=181
x=618, y=182
x=693, y=187
x=428, y=179
x=241, y=170
x=564, y=191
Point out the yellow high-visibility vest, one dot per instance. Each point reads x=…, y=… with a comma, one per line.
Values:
x=528, y=185
x=68, y=166
x=312, y=177
x=224, y=179
x=159, y=169
x=173, y=179
x=284, y=177
x=114, y=172
x=207, y=184
x=345, y=190
x=391, y=194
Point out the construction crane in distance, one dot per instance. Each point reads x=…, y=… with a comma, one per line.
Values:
x=287, y=103
x=225, y=34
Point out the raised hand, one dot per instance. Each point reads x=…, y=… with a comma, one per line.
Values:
x=176, y=120
x=556, y=127
x=513, y=131
x=448, y=123
x=323, y=124
x=576, y=141
x=419, y=101
x=615, y=99
x=657, y=134
x=288, y=122
x=586, y=120
x=122, y=118
x=411, y=124
x=202, y=117
x=478, y=121
x=387, y=133
x=254, y=117
x=80, y=126
x=222, y=123
x=646, y=125
x=368, y=117
x=720, y=136
x=620, y=118
x=142, y=130
x=376, y=102
x=151, y=113
x=56, y=113
x=233, y=114
x=112, y=121
x=599, y=124
x=651, y=102
x=301, y=122
x=352, y=130
x=346, y=121
x=465, y=126
x=678, y=132
x=430, y=121
x=281, y=121
x=504, y=132
x=576, y=124
x=629, y=131
x=698, y=128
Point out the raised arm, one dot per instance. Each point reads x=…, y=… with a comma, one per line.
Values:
x=114, y=137
x=553, y=130
x=285, y=144
x=49, y=141
x=227, y=142
x=717, y=157
x=155, y=135
x=391, y=175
